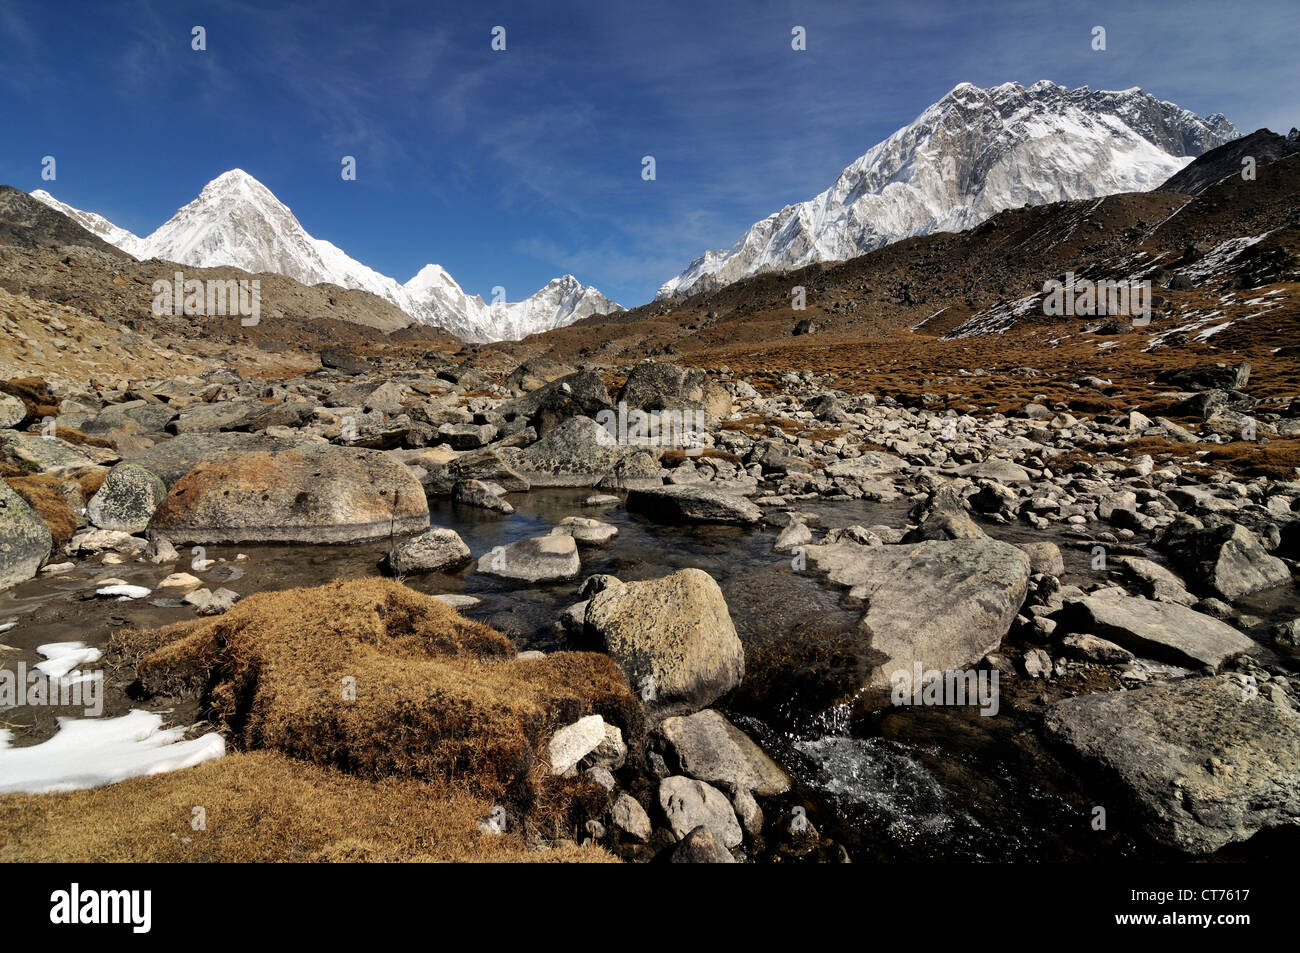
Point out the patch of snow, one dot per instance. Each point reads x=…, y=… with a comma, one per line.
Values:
x=93, y=752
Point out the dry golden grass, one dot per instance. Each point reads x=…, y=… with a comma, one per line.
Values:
x=672, y=458
x=34, y=392
x=436, y=695
x=1276, y=460
x=91, y=482
x=756, y=426
x=42, y=494
x=79, y=438
x=264, y=807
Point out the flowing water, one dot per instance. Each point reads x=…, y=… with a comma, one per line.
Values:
x=909, y=783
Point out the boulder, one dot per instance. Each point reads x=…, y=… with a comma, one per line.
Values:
x=579, y=394
x=795, y=535
x=1165, y=631
x=710, y=748
x=1206, y=761
x=127, y=499
x=867, y=466
x=673, y=635
x=572, y=743
x=656, y=387
x=25, y=539
x=209, y=418
x=1044, y=557
x=345, y=360
x=39, y=454
x=536, y=372
x=692, y=504
x=1002, y=471
x=1090, y=648
x=1209, y=377
x=689, y=804
x=700, y=846
x=585, y=530
x=576, y=452
x=484, y=496
x=466, y=436
x=1223, y=558
x=637, y=469
x=310, y=494
x=1153, y=580
x=630, y=817
x=539, y=559
x=171, y=459
x=488, y=465
x=943, y=603
x=148, y=416
x=12, y=411
x=943, y=516
x=438, y=550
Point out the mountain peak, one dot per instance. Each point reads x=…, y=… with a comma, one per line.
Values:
x=973, y=154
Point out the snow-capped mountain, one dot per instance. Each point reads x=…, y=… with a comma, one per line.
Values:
x=236, y=221
x=973, y=154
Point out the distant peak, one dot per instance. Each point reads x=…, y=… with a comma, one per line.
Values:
x=235, y=179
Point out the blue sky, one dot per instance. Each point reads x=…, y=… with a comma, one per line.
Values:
x=511, y=168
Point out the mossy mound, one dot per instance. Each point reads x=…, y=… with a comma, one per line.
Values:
x=381, y=681
x=35, y=393
x=45, y=495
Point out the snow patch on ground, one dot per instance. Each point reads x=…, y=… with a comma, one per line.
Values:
x=93, y=752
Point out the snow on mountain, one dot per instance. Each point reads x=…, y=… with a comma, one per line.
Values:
x=95, y=224
x=973, y=154
x=237, y=222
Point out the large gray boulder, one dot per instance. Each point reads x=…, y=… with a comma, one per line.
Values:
x=712, y=749
x=1210, y=376
x=147, y=416
x=1003, y=471
x=701, y=846
x=488, y=465
x=657, y=387
x=587, y=531
x=172, y=459
x=25, y=540
x=1224, y=558
x=579, y=394
x=1165, y=631
x=40, y=454
x=127, y=499
x=314, y=493
x=943, y=516
x=576, y=452
x=536, y=372
x=943, y=603
x=210, y=418
x=697, y=503
x=689, y=804
x=483, y=496
x=1206, y=761
x=12, y=411
x=438, y=550
x=540, y=559
x=673, y=637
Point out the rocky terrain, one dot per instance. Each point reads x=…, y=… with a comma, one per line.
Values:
x=644, y=586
